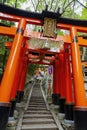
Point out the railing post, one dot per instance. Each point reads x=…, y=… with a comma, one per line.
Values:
x=80, y=109
x=9, y=74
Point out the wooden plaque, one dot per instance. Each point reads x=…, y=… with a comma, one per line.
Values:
x=49, y=27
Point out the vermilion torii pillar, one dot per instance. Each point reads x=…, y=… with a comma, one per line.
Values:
x=62, y=82
x=80, y=109
x=69, y=103
x=22, y=80
x=9, y=75
x=16, y=81
x=56, y=93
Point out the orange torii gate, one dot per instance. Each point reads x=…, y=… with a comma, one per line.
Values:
x=62, y=87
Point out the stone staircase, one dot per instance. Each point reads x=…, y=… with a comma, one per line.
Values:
x=37, y=116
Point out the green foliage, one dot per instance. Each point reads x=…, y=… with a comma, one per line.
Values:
x=60, y=32
x=13, y=3
x=70, y=14
x=84, y=13
x=84, y=17
x=4, y=39
x=6, y=22
x=3, y=51
x=32, y=69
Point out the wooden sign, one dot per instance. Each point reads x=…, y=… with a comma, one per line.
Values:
x=49, y=27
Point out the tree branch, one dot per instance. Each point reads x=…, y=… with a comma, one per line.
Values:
x=73, y=10
x=33, y=4
x=45, y=2
x=37, y=5
x=56, y=7
x=64, y=3
x=81, y=4
x=51, y=4
x=16, y=4
x=66, y=7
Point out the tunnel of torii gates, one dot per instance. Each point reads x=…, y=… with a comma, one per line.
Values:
x=68, y=87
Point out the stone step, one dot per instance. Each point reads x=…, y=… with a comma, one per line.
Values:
x=39, y=112
x=33, y=108
x=39, y=127
x=38, y=121
x=37, y=101
x=37, y=105
x=38, y=94
x=37, y=98
x=37, y=116
x=34, y=103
